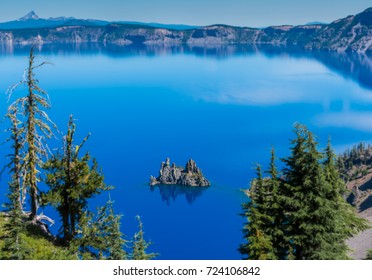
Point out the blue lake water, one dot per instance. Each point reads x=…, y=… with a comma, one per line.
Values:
x=224, y=107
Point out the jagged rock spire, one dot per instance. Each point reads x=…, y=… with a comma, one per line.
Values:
x=169, y=174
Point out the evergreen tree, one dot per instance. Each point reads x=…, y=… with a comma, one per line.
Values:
x=308, y=212
x=36, y=127
x=316, y=213
x=72, y=181
x=15, y=164
x=110, y=238
x=14, y=245
x=100, y=237
x=84, y=238
x=258, y=245
x=346, y=223
x=276, y=229
x=140, y=245
x=310, y=217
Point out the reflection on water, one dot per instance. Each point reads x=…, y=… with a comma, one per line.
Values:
x=169, y=193
x=223, y=106
x=357, y=67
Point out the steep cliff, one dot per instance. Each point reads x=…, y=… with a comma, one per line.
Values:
x=351, y=34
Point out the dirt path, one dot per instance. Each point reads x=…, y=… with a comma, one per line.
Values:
x=362, y=242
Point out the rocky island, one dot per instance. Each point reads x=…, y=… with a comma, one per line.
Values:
x=169, y=174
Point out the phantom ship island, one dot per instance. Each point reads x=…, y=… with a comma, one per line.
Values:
x=169, y=174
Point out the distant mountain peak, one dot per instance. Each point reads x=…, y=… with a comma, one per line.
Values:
x=30, y=15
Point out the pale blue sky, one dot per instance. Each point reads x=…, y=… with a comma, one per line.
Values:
x=253, y=13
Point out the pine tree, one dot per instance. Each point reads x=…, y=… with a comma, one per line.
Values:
x=276, y=230
x=307, y=209
x=108, y=230
x=257, y=230
x=310, y=219
x=36, y=127
x=14, y=245
x=84, y=238
x=314, y=208
x=346, y=222
x=140, y=245
x=72, y=181
x=99, y=236
x=15, y=164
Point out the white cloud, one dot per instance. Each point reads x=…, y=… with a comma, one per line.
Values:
x=361, y=121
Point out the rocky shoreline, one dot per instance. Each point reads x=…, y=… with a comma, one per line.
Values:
x=350, y=34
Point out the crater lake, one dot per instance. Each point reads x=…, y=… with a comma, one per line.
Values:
x=224, y=107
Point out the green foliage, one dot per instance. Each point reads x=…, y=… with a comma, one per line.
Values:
x=346, y=222
x=264, y=231
x=14, y=226
x=318, y=217
x=355, y=161
x=34, y=245
x=276, y=229
x=72, y=180
x=140, y=245
x=35, y=128
x=310, y=218
x=100, y=237
x=369, y=255
x=108, y=225
x=14, y=244
x=15, y=164
x=256, y=231
x=308, y=211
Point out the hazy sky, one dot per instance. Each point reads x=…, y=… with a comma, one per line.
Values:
x=253, y=13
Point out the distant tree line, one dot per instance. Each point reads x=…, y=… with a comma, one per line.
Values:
x=355, y=162
x=70, y=180
x=299, y=212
